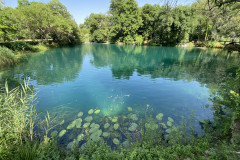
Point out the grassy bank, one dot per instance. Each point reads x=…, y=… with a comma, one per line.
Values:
x=12, y=53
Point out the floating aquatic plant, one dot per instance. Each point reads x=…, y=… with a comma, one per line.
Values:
x=163, y=125
x=133, y=127
x=86, y=125
x=80, y=137
x=80, y=114
x=115, y=119
x=62, y=133
x=89, y=118
x=71, y=125
x=90, y=111
x=70, y=145
x=133, y=117
x=169, y=123
x=116, y=126
x=97, y=111
x=170, y=119
x=78, y=123
x=96, y=135
x=54, y=133
x=116, y=141
x=92, y=130
x=151, y=126
x=106, y=134
x=130, y=109
x=92, y=125
x=159, y=116
x=125, y=144
x=106, y=125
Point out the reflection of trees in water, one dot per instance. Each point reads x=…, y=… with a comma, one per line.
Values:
x=205, y=66
x=54, y=66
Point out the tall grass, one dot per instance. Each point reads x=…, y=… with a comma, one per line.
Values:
x=17, y=117
x=6, y=57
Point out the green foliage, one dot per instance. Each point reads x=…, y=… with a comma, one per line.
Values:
x=139, y=40
x=128, y=40
x=18, y=46
x=17, y=117
x=6, y=57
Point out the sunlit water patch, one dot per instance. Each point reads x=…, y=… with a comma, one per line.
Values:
x=116, y=80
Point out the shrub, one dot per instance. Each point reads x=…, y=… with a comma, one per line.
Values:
x=128, y=40
x=18, y=46
x=139, y=40
x=6, y=56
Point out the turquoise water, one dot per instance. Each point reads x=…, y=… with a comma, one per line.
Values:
x=174, y=81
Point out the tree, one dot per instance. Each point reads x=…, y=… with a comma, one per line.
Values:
x=98, y=25
x=125, y=19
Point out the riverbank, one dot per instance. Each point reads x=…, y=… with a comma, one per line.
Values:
x=12, y=53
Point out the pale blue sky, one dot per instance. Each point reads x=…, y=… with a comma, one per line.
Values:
x=80, y=9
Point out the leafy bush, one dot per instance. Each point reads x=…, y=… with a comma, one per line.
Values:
x=128, y=40
x=18, y=46
x=6, y=56
x=139, y=40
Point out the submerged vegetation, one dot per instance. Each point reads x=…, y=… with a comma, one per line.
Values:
x=129, y=135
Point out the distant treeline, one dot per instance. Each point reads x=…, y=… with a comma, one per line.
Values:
x=204, y=20
x=37, y=20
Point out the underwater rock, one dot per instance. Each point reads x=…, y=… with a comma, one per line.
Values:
x=62, y=133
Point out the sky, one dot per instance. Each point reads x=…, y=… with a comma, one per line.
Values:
x=80, y=9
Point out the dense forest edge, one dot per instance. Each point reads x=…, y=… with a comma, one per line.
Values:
x=36, y=26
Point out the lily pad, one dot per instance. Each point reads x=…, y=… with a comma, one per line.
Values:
x=130, y=109
x=96, y=135
x=106, y=134
x=92, y=125
x=97, y=111
x=62, y=133
x=86, y=125
x=54, y=133
x=106, y=125
x=71, y=125
x=90, y=111
x=92, y=130
x=125, y=144
x=80, y=137
x=116, y=126
x=89, y=118
x=159, y=116
x=115, y=119
x=70, y=145
x=133, y=127
x=170, y=119
x=78, y=123
x=116, y=141
x=169, y=123
x=133, y=117
x=80, y=114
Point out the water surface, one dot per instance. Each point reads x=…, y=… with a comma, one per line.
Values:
x=172, y=80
